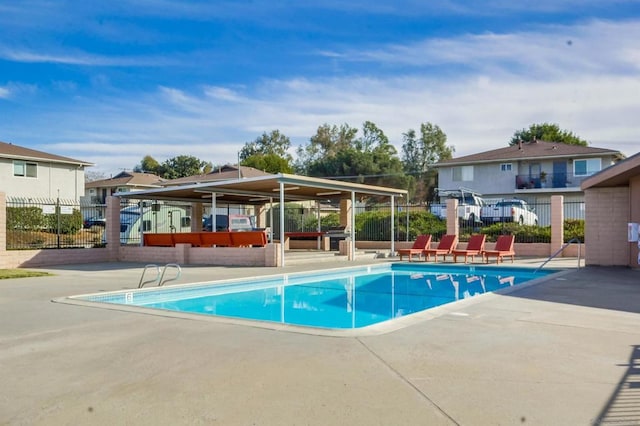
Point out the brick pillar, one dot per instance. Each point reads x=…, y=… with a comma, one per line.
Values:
x=3, y=222
x=453, y=224
x=261, y=216
x=196, y=217
x=634, y=217
x=345, y=213
x=557, y=223
x=112, y=228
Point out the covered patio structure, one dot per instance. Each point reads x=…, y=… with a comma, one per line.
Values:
x=258, y=192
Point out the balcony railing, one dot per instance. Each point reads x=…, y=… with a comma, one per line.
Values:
x=549, y=180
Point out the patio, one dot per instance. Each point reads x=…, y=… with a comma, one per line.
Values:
x=555, y=353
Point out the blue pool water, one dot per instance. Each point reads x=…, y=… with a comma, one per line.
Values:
x=339, y=299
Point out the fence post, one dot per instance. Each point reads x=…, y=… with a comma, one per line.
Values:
x=58, y=220
x=557, y=223
x=3, y=225
x=453, y=224
x=112, y=227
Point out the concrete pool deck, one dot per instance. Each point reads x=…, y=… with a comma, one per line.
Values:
x=566, y=351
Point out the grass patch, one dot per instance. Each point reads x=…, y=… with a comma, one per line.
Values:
x=20, y=273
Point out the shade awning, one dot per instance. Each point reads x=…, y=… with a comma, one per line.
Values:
x=259, y=190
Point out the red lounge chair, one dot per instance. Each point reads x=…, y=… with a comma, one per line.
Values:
x=474, y=248
x=445, y=246
x=504, y=247
x=421, y=243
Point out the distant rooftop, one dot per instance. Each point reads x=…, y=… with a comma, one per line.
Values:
x=531, y=150
x=139, y=180
x=226, y=172
x=9, y=150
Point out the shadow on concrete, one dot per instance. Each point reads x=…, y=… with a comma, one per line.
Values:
x=616, y=288
x=623, y=408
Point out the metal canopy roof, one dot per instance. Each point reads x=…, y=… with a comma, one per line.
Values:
x=265, y=189
x=260, y=190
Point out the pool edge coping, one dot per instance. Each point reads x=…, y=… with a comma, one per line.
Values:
x=385, y=327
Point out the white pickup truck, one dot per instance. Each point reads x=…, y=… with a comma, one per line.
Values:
x=470, y=205
x=511, y=210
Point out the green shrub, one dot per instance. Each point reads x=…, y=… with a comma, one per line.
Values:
x=574, y=228
x=331, y=220
x=523, y=233
x=69, y=223
x=376, y=226
x=25, y=218
x=420, y=222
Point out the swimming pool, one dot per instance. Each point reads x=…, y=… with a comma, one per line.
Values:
x=348, y=298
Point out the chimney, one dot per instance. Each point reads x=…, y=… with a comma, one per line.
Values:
x=520, y=144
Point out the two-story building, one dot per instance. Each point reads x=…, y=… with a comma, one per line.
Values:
x=532, y=171
x=30, y=174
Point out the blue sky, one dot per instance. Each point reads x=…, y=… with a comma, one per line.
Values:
x=111, y=82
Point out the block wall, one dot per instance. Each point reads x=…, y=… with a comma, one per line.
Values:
x=606, y=219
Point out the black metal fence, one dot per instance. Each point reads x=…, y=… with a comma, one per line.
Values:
x=41, y=223
x=46, y=223
x=373, y=223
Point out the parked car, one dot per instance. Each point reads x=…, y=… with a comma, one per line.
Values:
x=511, y=210
x=94, y=221
x=233, y=222
x=470, y=205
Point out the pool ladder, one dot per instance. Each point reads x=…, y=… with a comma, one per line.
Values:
x=564, y=246
x=159, y=279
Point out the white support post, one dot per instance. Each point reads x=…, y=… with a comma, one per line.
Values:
x=319, y=227
x=393, y=232
x=352, y=245
x=214, y=216
x=282, y=222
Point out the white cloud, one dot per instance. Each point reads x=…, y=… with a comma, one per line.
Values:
x=589, y=87
x=596, y=46
x=57, y=55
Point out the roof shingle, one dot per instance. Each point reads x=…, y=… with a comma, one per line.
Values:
x=9, y=150
x=529, y=151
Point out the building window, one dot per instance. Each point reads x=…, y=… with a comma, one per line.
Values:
x=462, y=174
x=505, y=167
x=22, y=168
x=586, y=167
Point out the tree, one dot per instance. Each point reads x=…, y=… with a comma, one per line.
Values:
x=419, y=155
x=182, y=166
x=337, y=152
x=270, y=163
x=148, y=164
x=173, y=168
x=269, y=153
x=549, y=132
x=272, y=143
x=325, y=144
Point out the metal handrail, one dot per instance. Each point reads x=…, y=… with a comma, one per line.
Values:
x=155, y=280
x=172, y=265
x=564, y=246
